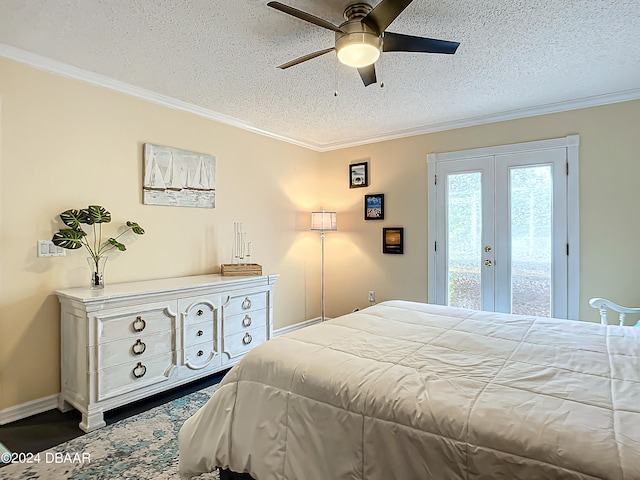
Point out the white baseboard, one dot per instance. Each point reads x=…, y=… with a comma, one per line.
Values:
x=297, y=326
x=24, y=410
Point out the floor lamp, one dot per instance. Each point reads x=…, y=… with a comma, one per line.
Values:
x=324, y=222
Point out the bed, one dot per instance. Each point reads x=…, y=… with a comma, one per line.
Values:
x=416, y=391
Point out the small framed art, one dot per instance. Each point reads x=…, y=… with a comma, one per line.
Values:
x=359, y=175
x=393, y=240
x=374, y=207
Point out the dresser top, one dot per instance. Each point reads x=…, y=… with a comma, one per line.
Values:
x=162, y=285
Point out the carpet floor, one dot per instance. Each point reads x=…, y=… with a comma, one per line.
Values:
x=143, y=447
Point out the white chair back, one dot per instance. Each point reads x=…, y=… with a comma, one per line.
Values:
x=603, y=305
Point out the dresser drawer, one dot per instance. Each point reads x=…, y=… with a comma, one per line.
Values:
x=243, y=322
x=150, y=318
x=199, y=333
x=137, y=347
x=241, y=343
x=201, y=355
x=134, y=374
x=199, y=309
x=246, y=303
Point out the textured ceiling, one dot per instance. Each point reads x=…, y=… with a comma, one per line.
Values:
x=221, y=56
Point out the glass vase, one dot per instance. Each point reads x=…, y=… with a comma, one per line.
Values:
x=96, y=265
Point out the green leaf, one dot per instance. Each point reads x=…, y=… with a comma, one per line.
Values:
x=117, y=244
x=97, y=214
x=135, y=227
x=84, y=217
x=72, y=218
x=68, y=238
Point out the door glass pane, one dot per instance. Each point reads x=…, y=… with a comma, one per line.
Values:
x=531, y=234
x=464, y=225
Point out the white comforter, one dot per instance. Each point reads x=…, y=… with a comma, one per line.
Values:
x=412, y=391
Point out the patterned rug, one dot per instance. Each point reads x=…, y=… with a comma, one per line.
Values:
x=138, y=448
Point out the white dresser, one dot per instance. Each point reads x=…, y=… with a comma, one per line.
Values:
x=132, y=340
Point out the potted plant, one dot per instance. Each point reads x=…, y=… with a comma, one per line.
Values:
x=74, y=237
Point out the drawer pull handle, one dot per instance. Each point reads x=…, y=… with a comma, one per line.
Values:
x=200, y=333
x=199, y=313
x=140, y=370
x=247, y=339
x=200, y=353
x=139, y=324
x=139, y=347
x=246, y=321
x=246, y=304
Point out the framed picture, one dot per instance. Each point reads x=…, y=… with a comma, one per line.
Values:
x=359, y=175
x=374, y=207
x=393, y=240
x=179, y=178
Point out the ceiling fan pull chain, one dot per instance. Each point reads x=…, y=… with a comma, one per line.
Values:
x=381, y=65
x=335, y=78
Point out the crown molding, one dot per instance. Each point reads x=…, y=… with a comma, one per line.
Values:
x=63, y=69
x=594, y=101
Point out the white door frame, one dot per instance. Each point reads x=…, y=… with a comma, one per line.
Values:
x=571, y=143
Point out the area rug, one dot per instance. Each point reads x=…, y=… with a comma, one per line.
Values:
x=142, y=447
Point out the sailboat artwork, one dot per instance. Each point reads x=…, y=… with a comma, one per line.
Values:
x=178, y=178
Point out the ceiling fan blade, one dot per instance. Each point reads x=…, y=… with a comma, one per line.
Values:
x=305, y=58
x=304, y=16
x=397, y=42
x=368, y=74
x=384, y=14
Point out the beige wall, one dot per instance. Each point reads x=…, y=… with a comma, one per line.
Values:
x=609, y=206
x=65, y=144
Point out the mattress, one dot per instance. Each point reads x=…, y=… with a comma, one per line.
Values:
x=416, y=391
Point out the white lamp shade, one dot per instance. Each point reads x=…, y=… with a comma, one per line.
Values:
x=358, y=49
x=324, y=221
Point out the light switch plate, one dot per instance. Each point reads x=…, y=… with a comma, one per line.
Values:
x=47, y=248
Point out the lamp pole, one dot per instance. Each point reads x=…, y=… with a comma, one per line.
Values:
x=322, y=270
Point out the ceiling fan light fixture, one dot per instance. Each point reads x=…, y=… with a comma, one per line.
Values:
x=359, y=40
x=359, y=49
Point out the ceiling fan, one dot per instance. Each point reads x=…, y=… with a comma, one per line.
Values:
x=361, y=38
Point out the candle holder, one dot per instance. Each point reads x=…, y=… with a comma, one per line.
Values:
x=241, y=256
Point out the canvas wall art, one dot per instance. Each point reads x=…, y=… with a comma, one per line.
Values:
x=178, y=178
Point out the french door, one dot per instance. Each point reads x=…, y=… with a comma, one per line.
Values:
x=500, y=228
